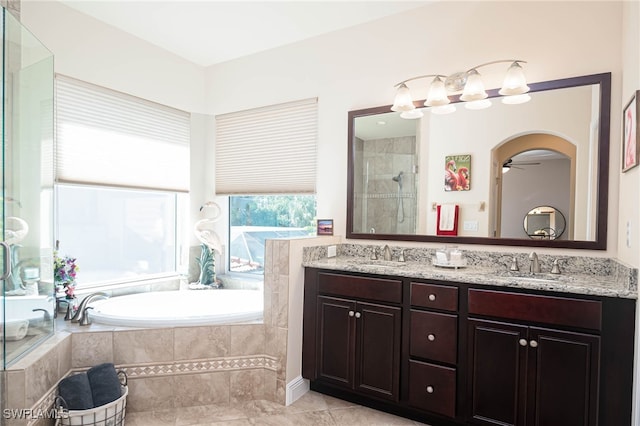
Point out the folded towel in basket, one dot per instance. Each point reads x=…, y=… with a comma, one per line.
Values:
x=105, y=385
x=76, y=392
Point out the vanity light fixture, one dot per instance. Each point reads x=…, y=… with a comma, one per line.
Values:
x=514, y=89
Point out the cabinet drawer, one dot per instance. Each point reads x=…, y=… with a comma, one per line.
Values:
x=542, y=309
x=383, y=290
x=434, y=336
x=434, y=296
x=432, y=388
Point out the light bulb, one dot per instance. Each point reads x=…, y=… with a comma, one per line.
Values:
x=437, y=95
x=474, y=89
x=403, y=101
x=514, y=82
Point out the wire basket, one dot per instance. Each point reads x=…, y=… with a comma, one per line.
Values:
x=111, y=414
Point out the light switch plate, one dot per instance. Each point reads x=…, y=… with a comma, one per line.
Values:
x=470, y=225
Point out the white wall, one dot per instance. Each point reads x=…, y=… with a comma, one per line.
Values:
x=357, y=68
x=90, y=50
x=629, y=195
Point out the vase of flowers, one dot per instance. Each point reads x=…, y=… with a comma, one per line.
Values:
x=65, y=270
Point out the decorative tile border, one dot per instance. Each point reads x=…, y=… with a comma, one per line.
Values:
x=135, y=371
x=138, y=371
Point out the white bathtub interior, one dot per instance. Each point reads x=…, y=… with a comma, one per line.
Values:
x=179, y=308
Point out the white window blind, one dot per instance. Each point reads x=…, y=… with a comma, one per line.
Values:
x=268, y=150
x=109, y=138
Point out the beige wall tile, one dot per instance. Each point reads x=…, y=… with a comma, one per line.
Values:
x=150, y=393
x=201, y=389
x=280, y=351
x=16, y=390
x=40, y=376
x=151, y=345
x=281, y=392
x=89, y=349
x=246, y=385
x=64, y=355
x=247, y=339
x=282, y=309
x=269, y=385
x=201, y=342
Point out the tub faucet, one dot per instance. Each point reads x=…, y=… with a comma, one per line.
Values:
x=79, y=315
x=534, y=266
x=386, y=252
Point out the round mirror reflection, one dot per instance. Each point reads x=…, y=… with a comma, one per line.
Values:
x=544, y=223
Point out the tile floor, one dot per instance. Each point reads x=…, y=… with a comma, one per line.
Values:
x=312, y=409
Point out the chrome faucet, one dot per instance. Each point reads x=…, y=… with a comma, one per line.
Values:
x=386, y=251
x=81, y=312
x=534, y=266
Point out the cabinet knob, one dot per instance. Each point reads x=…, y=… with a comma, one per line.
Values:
x=358, y=315
x=351, y=313
x=429, y=389
x=432, y=297
x=431, y=337
x=523, y=342
x=533, y=344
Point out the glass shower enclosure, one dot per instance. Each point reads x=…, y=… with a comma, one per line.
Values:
x=28, y=301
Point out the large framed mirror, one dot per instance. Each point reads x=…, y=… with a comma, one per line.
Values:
x=470, y=177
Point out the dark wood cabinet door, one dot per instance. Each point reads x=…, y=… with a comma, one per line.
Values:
x=564, y=388
x=497, y=373
x=336, y=340
x=377, y=362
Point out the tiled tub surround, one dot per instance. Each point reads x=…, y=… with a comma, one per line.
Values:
x=581, y=275
x=182, y=366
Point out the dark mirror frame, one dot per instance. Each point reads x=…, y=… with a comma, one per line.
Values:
x=600, y=242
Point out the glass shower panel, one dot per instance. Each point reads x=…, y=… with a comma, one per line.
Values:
x=27, y=173
x=385, y=184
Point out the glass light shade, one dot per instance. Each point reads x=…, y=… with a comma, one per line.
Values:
x=412, y=115
x=514, y=82
x=516, y=99
x=474, y=89
x=403, y=101
x=444, y=109
x=437, y=95
x=481, y=104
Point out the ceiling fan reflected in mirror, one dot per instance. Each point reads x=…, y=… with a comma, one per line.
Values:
x=509, y=164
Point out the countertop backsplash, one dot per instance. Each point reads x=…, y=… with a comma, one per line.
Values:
x=597, y=275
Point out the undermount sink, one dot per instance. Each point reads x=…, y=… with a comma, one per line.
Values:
x=384, y=264
x=528, y=276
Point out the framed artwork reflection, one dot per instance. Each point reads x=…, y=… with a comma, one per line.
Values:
x=325, y=227
x=457, y=172
x=630, y=133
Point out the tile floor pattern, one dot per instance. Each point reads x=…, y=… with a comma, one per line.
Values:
x=312, y=409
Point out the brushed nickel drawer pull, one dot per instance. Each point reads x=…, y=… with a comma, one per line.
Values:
x=533, y=344
x=432, y=297
x=523, y=342
x=351, y=313
x=358, y=314
x=430, y=389
x=431, y=337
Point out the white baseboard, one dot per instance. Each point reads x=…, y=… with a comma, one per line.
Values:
x=295, y=389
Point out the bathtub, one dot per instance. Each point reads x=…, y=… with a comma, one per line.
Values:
x=179, y=308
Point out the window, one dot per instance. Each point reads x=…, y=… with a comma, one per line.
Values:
x=119, y=234
x=253, y=219
x=267, y=150
x=122, y=181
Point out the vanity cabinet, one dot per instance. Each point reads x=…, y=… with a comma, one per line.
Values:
x=433, y=348
x=528, y=375
x=451, y=353
x=358, y=334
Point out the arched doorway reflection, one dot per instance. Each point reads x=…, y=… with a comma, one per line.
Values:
x=529, y=171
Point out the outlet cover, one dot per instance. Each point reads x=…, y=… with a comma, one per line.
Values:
x=470, y=225
x=331, y=251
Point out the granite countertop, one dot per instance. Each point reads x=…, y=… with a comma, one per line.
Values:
x=590, y=284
